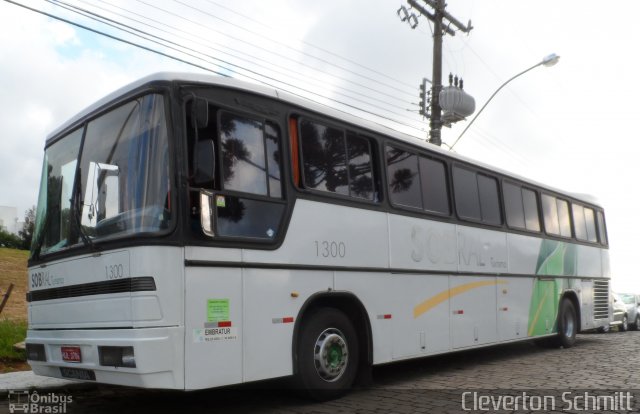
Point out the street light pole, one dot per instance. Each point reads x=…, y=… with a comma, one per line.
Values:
x=550, y=60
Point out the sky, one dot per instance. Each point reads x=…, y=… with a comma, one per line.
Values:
x=570, y=126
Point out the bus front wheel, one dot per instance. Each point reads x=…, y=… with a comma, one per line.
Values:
x=327, y=354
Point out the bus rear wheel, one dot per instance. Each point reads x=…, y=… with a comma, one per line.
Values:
x=567, y=324
x=327, y=354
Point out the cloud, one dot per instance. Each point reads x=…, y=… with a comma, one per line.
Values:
x=43, y=85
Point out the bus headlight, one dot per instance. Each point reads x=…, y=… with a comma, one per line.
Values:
x=35, y=352
x=117, y=356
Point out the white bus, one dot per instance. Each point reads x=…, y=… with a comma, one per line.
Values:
x=195, y=232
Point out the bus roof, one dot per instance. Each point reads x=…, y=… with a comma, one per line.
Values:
x=297, y=100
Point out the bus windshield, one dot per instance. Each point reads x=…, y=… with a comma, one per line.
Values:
x=118, y=185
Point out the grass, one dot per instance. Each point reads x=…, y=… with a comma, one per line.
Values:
x=13, y=319
x=11, y=332
x=13, y=269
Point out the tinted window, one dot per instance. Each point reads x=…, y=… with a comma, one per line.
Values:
x=360, y=169
x=465, y=187
x=591, y=225
x=272, y=140
x=243, y=154
x=602, y=232
x=336, y=163
x=489, y=201
x=404, y=181
x=435, y=194
x=563, y=218
x=243, y=217
x=513, y=205
x=531, y=213
x=550, y=212
x=579, y=224
x=324, y=157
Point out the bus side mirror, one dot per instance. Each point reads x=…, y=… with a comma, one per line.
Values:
x=206, y=212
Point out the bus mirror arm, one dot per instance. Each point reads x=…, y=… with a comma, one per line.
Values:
x=200, y=113
x=206, y=212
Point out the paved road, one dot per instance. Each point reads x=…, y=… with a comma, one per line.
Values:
x=532, y=377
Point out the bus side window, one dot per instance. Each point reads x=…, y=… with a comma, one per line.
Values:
x=404, y=178
x=335, y=161
x=602, y=231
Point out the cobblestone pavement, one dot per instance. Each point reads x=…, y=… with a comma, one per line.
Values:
x=534, y=378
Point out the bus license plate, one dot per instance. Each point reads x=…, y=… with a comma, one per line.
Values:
x=78, y=374
x=71, y=354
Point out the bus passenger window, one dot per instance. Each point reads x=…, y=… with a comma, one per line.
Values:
x=465, y=186
x=336, y=162
x=563, y=218
x=435, y=192
x=602, y=231
x=579, y=223
x=324, y=157
x=591, y=225
x=403, y=177
x=521, y=207
x=550, y=211
x=531, y=211
x=513, y=205
x=489, y=201
x=360, y=170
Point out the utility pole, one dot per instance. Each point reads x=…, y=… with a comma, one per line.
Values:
x=437, y=16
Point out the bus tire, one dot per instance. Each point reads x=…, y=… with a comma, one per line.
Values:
x=624, y=326
x=327, y=354
x=567, y=324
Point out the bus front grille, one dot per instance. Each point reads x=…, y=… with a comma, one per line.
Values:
x=601, y=299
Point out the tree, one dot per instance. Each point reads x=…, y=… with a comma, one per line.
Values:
x=9, y=240
x=26, y=234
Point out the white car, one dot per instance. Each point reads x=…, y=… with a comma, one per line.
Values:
x=632, y=304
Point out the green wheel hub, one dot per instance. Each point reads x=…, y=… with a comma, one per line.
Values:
x=331, y=354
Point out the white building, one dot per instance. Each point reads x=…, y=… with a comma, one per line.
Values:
x=9, y=221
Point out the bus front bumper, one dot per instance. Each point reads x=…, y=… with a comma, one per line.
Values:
x=154, y=357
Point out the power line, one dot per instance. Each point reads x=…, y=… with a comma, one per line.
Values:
x=279, y=43
x=116, y=38
x=376, y=115
x=296, y=74
x=315, y=46
x=251, y=44
x=177, y=47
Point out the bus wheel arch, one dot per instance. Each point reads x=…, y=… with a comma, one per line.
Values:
x=568, y=320
x=573, y=297
x=347, y=304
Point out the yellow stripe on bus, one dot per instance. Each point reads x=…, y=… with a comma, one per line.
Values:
x=447, y=294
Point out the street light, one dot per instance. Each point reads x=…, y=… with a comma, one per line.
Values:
x=548, y=61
